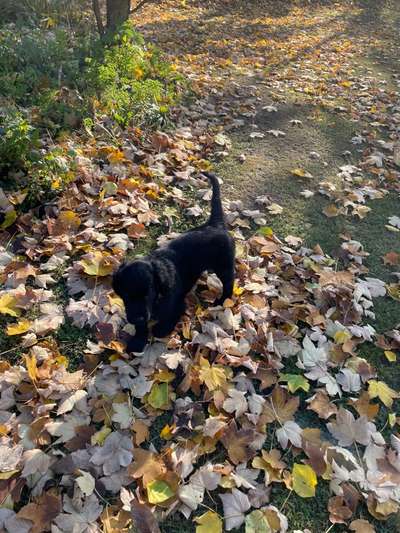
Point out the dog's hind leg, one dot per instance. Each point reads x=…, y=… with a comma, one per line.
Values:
x=227, y=277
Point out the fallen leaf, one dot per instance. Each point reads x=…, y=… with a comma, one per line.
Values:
x=304, y=480
x=158, y=491
x=379, y=389
x=208, y=522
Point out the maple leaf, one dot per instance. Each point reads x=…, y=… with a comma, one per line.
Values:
x=289, y=432
x=321, y=404
x=79, y=515
x=280, y=406
x=147, y=465
x=213, y=376
x=295, y=382
x=304, y=480
x=158, y=491
x=241, y=444
x=236, y=402
x=115, y=452
x=347, y=430
x=41, y=513
x=8, y=305
x=379, y=389
x=235, y=505
x=257, y=522
x=97, y=264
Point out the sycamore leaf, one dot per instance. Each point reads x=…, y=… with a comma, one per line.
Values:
x=213, y=376
x=295, y=382
x=256, y=522
x=235, y=504
x=159, y=491
x=289, y=432
x=348, y=430
x=19, y=328
x=8, y=304
x=321, y=404
x=97, y=264
x=41, y=513
x=382, y=391
x=280, y=406
x=304, y=480
x=158, y=396
x=208, y=522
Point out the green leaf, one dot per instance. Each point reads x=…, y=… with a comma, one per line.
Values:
x=158, y=491
x=304, y=480
x=295, y=382
x=256, y=522
x=158, y=396
x=266, y=231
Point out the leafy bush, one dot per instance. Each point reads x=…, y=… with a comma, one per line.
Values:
x=131, y=80
x=34, y=61
x=18, y=141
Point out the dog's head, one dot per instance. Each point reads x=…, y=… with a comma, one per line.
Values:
x=140, y=284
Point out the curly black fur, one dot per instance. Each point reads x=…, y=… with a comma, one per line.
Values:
x=154, y=287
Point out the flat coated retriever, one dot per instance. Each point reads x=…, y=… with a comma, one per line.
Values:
x=155, y=286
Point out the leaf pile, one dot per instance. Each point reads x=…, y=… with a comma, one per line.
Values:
x=226, y=390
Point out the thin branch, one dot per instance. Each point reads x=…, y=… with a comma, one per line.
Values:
x=139, y=6
x=97, y=14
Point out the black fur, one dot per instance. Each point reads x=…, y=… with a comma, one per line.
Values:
x=154, y=287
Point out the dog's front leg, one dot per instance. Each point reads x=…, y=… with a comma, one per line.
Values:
x=139, y=341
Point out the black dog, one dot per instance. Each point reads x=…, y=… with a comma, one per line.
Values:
x=154, y=287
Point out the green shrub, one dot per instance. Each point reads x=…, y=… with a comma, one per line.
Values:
x=19, y=142
x=131, y=81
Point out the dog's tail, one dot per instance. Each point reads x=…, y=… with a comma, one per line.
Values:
x=217, y=218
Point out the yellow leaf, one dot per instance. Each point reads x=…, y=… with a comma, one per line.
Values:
x=62, y=360
x=9, y=219
x=69, y=220
x=20, y=327
x=139, y=73
x=31, y=366
x=8, y=304
x=331, y=211
x=100, y=436
x=346, y=83
x=390, y=356
x=158, y=491
x=97, y=264
x=116, y=156
x=301, y=173
x=382, y=391
x=213, y=376
x=3, y=430
x=342, y=336
x=237, y=291
x=166, y=432
x=304, y=480
x=209, y=522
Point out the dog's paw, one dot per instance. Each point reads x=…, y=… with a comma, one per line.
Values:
x=136, y=344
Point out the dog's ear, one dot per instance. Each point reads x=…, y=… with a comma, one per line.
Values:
x=163, y=276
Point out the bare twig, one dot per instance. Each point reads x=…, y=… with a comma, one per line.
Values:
x=97, y=14
x=139, y=6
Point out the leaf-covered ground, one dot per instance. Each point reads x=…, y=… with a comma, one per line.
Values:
x=277, y=411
